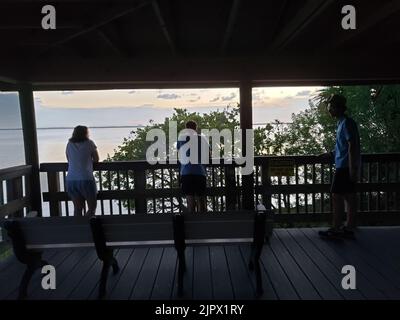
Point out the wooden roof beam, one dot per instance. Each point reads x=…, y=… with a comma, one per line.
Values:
x=231, y=23
x=304, y=17
x=163, y=25
x=382, y=12
x=117, y=13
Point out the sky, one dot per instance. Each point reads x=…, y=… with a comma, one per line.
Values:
x=137, y=107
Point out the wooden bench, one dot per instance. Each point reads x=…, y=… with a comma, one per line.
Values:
x=105, y=233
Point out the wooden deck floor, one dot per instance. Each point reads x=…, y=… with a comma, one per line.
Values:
x=296, y=265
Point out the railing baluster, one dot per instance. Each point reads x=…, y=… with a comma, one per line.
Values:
x=313, y=193
x=110, y=188
x=1, y=193
x=171, y=185
x=305, y=194
x=101, y=189
x=65, y=189
x=369, y=181
x=53, y=182
x=162, y=187
x=127, y=188
x=297, y=183
x=330, y=181
x=379, y=178
x=119, y=189
x=154, y=187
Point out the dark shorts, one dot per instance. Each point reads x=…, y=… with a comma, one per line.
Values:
x=342, y=183
x=193, y=185
x=82, y=189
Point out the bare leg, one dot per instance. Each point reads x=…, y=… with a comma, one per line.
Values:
x=79, y=205
x=191, y=203
x=92, y=205
x=201, y=202
x=338, y=209
x=351, y=203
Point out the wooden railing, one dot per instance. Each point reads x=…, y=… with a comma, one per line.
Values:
x=15, y=195
x=138, y=187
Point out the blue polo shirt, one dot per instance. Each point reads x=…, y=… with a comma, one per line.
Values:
x=192, y=168
x=346, y=131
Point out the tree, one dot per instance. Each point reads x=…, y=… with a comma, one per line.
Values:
x=376, y=109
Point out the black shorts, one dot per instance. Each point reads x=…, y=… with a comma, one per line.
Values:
x=193, y=185
x=342, y=183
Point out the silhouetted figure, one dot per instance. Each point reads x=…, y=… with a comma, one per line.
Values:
x=347, y=162
x=81, y=154
x=193, y=175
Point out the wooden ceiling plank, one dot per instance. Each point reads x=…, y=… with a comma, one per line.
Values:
x=304, y=17
x=230, y=25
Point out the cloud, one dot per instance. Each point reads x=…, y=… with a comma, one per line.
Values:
x=214, y=99
x=168, y=96
x=67, y=92
x=195, y=99
x=304, y=93
x=230, y=97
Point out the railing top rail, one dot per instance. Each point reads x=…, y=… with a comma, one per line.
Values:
x=258, y=160
x=15, y=172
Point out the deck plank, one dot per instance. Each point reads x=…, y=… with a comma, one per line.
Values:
x=56, y=259
x=122, y=290
x=303, y=286
x=241, y=280
x=62, y=272
x=144, y=285
x=296, y=264
x=122, y=256
x=268, y=287
x=325, y=289
x=364, y=266
x=221, y=279
x=332, y=273
x=202, y=279
x=187, y=277
x=363, y=283
x=11, y=275
x=164, y=283
x=83, y=290
x=282, y=285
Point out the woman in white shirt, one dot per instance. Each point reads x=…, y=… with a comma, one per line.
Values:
x=81, y=154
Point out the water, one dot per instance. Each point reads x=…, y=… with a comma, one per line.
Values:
x=52, y=142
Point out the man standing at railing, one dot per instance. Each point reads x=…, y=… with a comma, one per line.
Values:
x=347, y=162
x=192, y=169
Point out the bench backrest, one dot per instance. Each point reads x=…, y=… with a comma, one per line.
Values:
x=136, y=230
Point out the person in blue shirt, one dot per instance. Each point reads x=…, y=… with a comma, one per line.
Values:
x=193, y=175
x=347, y=165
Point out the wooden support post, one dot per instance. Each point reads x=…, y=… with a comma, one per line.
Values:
x=30, y=144
x=53, y=182
x=139, y=178
x=246, y=122
x=15, y=192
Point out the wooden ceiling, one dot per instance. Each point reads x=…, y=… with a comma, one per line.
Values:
x=160, y=43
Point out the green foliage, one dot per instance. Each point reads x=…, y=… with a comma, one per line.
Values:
x=134, y=147
x=375, y=108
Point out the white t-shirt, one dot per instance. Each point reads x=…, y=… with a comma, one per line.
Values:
x=80, y=161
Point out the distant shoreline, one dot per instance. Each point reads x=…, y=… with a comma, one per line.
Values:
x=125, y=127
